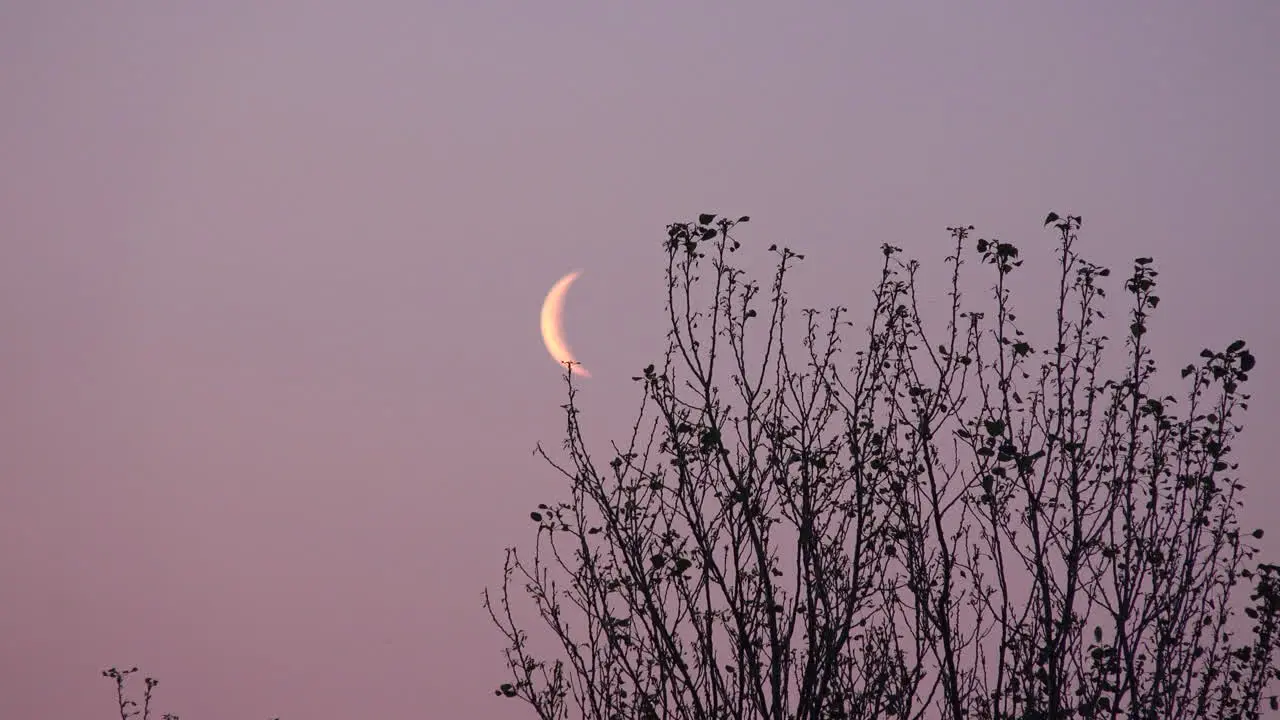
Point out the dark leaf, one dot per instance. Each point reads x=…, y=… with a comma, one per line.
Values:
x=537, y=516
x=1236, y=346
x=705, y=218
x=744, y=218
x=1246, y=361
x=1053, y=217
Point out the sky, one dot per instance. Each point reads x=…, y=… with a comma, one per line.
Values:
x=270, y=370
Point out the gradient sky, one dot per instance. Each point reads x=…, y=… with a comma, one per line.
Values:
x=269, y=355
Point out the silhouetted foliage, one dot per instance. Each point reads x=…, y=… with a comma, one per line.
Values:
x=976, y=523
x=128, y=708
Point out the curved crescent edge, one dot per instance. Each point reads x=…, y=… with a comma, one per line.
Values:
x=552, y=331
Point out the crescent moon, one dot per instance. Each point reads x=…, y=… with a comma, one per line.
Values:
x=552, y=332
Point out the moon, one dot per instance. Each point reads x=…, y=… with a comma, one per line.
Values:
x=552, y=331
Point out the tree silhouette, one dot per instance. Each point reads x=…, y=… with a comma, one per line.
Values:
x=971, y=523
x=130, y=709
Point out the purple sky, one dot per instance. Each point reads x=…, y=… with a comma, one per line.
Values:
x=269, y=355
